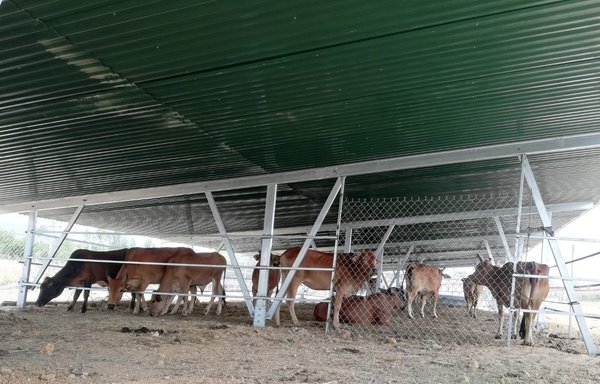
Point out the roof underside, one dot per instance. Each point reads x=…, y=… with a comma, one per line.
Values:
x=108, y=96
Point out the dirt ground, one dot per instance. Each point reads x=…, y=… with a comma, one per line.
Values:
x=50, y=345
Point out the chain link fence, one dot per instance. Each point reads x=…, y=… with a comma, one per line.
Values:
x=426, y=247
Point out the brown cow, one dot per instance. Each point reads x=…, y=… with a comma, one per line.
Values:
x=423, y=280
x=273, y=279
x=80, y=274
x=375, y=309
x=529, y=291
x=179, y=278
x=472, y=292
x=137, y=277
x=352, y=270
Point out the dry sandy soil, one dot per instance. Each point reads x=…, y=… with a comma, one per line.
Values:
x=50, y=345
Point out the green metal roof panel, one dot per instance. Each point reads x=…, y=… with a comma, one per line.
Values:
x=102, y=95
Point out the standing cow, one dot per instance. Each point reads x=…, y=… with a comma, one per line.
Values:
x=179, y=278
x=273, y=276
x=137, y=277
x=352, y=270
x=529, y=291
x=472, y=293
x=422, y=280
x=81, y=274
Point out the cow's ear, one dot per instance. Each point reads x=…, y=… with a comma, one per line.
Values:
x=46, y=280
x=108, y=278
x=257, y=256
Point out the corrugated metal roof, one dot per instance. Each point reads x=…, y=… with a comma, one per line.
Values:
x=102, y=96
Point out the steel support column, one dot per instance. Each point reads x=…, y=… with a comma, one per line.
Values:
x=560, y=264
x=315, y=228
x=265, y=256
x=27, y=255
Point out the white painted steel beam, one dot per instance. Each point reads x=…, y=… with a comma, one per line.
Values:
x=58, y=242
x=348, y=240
x=27, y=254
x=559, y=144
x=503, y=238
x=379, y=254
x=265, y=255
x=230, y=251
x=313, y=231
x=399, y=266
x=482, y=214
x=489, y=251
x=560, y=264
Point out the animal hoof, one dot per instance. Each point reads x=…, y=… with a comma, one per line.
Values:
x=498, y=337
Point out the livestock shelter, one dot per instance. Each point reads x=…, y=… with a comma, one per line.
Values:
x=441, y=133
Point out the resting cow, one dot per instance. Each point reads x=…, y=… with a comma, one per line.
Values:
x=273, y=279
x=375, y=309
x=423, y=280
x=80, y=274
x=472, y=292
x=179, y=278
x=529, y=291
x=352, y=270
x=137, y=277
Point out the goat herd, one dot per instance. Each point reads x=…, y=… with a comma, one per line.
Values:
x=181, y=271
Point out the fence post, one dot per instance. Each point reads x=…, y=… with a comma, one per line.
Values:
x=27, y=255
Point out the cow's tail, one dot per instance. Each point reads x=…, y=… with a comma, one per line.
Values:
x=522, y=329
x=408, y=276
x=530, y=269
x=223, y=288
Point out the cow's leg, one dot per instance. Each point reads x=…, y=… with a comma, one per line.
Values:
x=337, y=305
x=220, y=300
x=132, y=302
x=178, y=303
x=423, y=302
x=75, y=297
x=435, y=300
x=291, y=300
x=136, y=309
x=411, y=297
x=514, y=330
x=168, y=302
x=500, y=320
x=141, y=302
x=215, y=291
x=86, y=295
x=276, y=315
x=190, y=306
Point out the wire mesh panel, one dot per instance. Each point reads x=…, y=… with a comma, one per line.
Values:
x=426, y=248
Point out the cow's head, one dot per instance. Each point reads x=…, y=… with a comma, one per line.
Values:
x=116, y=287
x=49, y=289
x=369, y=261
x=482, y=272
x=157, y=303
x=399, y=297
x=275, y=260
